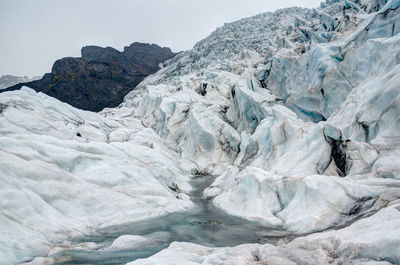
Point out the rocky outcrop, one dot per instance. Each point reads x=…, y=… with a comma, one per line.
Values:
x=101, y=77
x=140, y=56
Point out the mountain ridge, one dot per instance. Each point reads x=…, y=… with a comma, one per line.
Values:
x=10, y=80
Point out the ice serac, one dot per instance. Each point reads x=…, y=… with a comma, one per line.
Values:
x=358, y=102
x=314, y=97
x=295, y=113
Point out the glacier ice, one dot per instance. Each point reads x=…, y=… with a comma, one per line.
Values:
x=56, y=184
x=295, y=114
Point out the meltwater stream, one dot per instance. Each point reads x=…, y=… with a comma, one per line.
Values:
x=205, y=225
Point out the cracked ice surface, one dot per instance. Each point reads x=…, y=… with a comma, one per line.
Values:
x=295, y=112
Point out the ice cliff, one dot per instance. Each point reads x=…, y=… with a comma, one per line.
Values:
x=296, y=114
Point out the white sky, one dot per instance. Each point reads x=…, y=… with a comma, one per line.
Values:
x=34, y=33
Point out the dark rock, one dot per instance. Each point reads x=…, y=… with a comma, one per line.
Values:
x=101, y=77
x=202, y=90
x=338, y=154
x=2, y=107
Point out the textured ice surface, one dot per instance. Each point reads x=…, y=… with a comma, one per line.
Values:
x=295, y=112
x=55, y=183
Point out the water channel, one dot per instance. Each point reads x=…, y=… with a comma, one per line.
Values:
x=205, y=225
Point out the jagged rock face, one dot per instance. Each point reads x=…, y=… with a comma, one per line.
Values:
x=142, y=57
x=295, y=113
x=102, y=77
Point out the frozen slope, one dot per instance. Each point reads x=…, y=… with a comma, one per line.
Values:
x=66, y=172
x=295, y=112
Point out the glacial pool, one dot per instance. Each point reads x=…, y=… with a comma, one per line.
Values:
x=205, y=225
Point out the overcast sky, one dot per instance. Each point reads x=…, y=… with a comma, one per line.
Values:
x=34, y=33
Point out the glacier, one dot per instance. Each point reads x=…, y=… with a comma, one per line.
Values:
x=275, y=140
